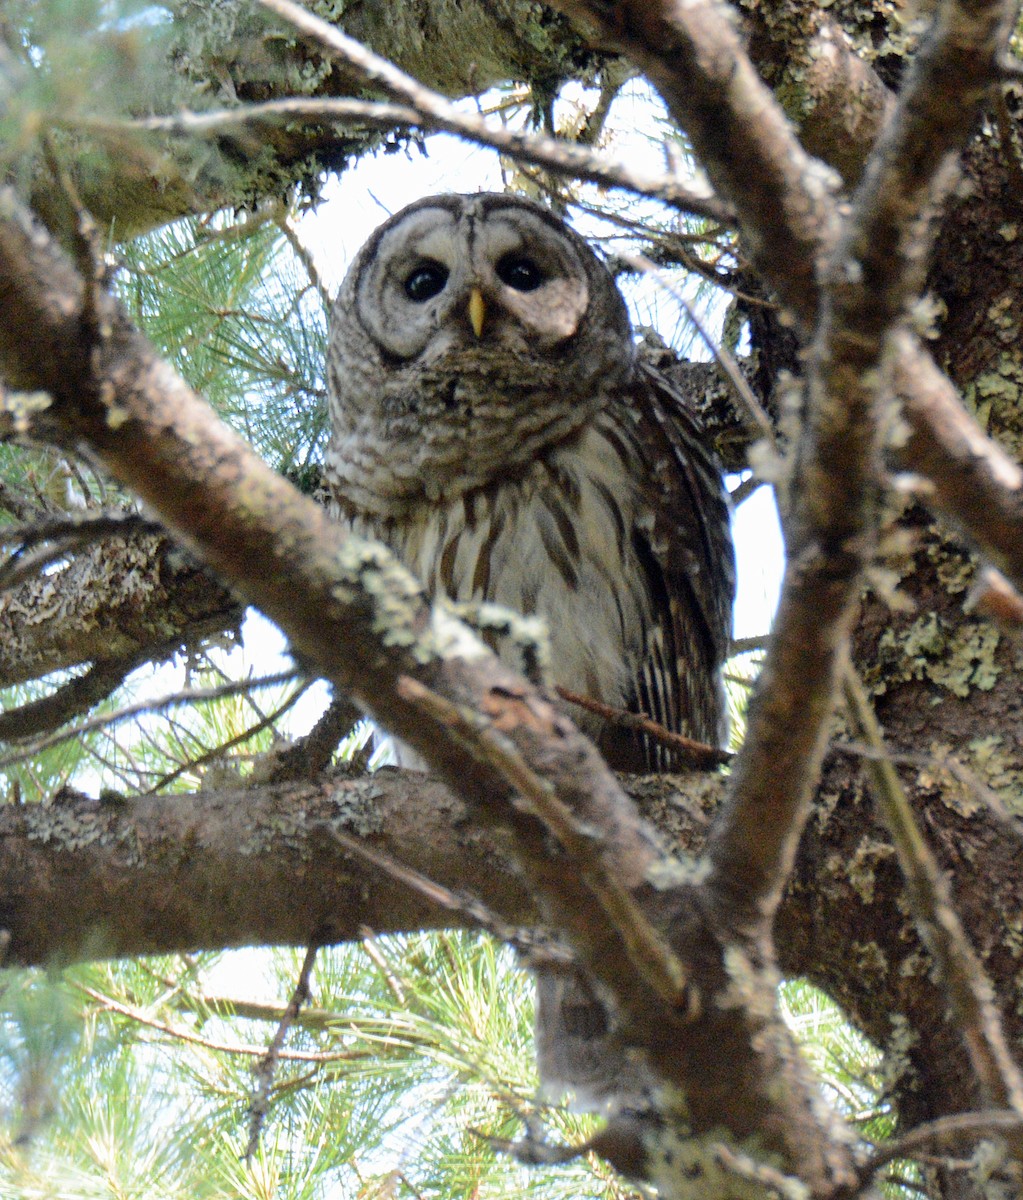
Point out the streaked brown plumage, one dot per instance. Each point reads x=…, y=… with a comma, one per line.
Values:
x=493, y=423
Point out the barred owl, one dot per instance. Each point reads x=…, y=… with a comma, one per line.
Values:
x=492, y=422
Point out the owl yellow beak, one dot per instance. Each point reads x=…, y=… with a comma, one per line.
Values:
x=477, y=311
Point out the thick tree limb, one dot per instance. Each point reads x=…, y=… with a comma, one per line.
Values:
x=832, y=93
x=113, y=602
x=971, y=996
x=70, y=700
x=973, y=482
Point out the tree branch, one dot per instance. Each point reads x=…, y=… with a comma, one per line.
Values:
x=121, y=601
x=971, y=997
x=428, y=111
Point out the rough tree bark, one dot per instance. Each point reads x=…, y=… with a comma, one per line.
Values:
x=948, y=686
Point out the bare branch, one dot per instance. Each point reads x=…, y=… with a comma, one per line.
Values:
x=155, y=705
x=970, y=994
x=313, y=753
x=697, y=754
x=41, y=543
x=471, y=907
x=945, y=1134
x=423, y=109
x=143, y=598
x=264, y=1072
x=78, y=696
x=82, y=878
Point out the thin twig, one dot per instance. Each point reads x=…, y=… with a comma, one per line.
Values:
x=749, y=645
x=432, y=109
x=183, y=1035
x=742, y=491
x=557, y=155
x=526, y=942
x=747, y=1168
x=970, y=995
x=945, y=1133
x=311, y=754
x=304, y=257
x=267, y=1066
x=158, y=704
x=77, y=528
x=932, y=762
x=376, y=957
x=994, y=597
x=12, y=501
x=748, y=406
x=239, y=738
x=698, y=754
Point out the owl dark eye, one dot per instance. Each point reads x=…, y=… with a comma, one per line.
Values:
x=519, y=272
x=425, y=282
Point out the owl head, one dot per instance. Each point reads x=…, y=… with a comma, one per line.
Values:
x=470, y=333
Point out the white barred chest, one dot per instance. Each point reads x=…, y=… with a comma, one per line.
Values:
x=556, y=541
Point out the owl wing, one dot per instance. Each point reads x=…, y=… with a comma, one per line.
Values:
x=684, y=540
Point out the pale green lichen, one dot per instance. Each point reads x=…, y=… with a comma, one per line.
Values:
x=998, y=769
x=23, y=407
x=990, y=1172
x=751, y=986
x=357, y=807
x=861, y=868
x=74, y=827
x=869, y=958
x=955, y=657
x=927, y=315
x=371, y=573
x=939, y=778
x=956, y=571
x=1012, y=937
x=915, y=965
x=896, y=1068
x=994, y=396
x=671, y=872
x=521, y=641
x=712, y=1165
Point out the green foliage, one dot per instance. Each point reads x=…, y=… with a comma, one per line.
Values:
x=231, y=306
x=135, y=1079
x=850, y=1069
